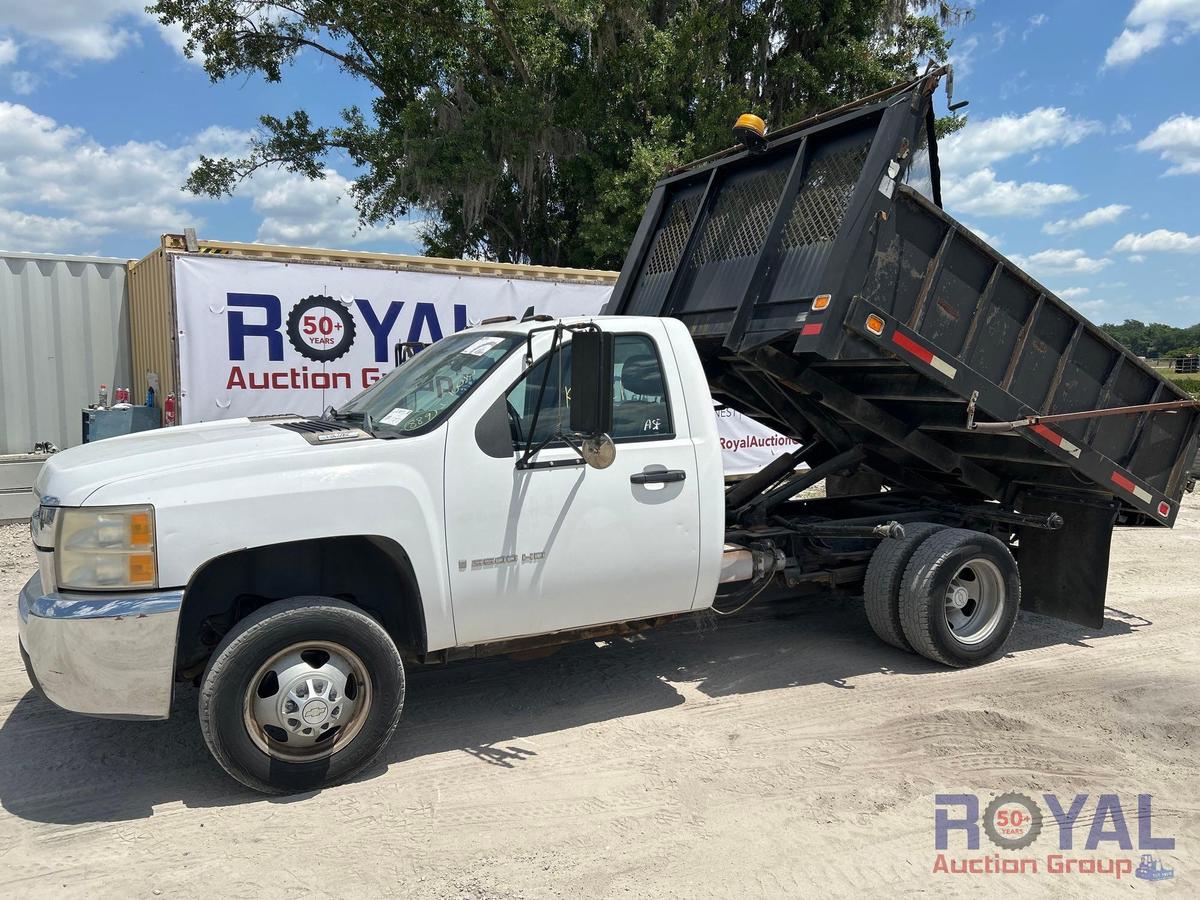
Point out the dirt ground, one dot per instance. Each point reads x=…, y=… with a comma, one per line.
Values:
x=785, y=754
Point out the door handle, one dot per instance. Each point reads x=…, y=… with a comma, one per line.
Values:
x=666, y=476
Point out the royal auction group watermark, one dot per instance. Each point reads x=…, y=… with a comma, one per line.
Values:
x=1073, y=836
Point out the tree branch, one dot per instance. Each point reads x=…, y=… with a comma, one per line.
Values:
x=508, y=41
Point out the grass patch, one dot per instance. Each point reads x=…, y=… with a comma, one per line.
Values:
x=1190, y=383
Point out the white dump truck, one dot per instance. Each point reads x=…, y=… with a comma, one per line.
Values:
x=527, y=483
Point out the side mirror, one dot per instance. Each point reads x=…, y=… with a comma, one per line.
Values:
x=406, y=350
x=592, y=382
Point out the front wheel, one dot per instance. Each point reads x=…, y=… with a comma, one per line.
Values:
x=301, y=694
x=959, y=597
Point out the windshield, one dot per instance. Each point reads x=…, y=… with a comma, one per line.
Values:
x=427, y=386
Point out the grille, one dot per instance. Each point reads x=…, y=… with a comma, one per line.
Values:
x=740, y=218
x=824, y=196
x=668, y=243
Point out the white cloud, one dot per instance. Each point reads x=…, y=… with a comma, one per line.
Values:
x=1091, y=307
x=133, y=186
x=317, y=213
x=28, y=232
x=61, y=186
x=80, y=29
x=1102, y=215
x=1158, y=241
x=1061, y=262
x=1073, y=293
x=962, y=56
x=1177, y=140
x=1035, y=22
x=1121, y=124
x=981, y=193
x=84, y=30
x=987, y=141
x=9, y=50
x=23, y=82
x=1148, y=26
x=972, y=186
x=992, y=239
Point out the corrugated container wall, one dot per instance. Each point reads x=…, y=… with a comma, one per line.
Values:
x=153, y=325
x=64, y=331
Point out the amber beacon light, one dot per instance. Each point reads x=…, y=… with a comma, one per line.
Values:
x=751, y=131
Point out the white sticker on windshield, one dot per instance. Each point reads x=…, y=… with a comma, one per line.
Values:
x=483, y=345
x=396, y=416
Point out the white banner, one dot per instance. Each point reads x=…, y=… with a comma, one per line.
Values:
x=256, y=337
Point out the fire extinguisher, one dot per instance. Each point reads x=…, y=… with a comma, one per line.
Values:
x=169, y=410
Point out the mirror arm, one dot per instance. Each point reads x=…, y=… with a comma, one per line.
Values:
x=537, y=410
x=526, y=460
x=556, y=343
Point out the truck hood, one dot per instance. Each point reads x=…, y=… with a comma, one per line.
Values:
x=70, y=477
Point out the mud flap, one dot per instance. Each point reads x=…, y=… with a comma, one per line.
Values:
x=1064, y=573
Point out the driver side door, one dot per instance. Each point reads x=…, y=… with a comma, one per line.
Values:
x=560, y=545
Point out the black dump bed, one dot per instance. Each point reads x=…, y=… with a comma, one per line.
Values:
x=921, y=318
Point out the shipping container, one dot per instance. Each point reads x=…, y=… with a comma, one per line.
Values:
x=64, y=331
x=155, y=302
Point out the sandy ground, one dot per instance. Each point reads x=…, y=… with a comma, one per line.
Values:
x=786, y=754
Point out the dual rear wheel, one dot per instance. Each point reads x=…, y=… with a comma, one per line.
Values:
x=949, y=594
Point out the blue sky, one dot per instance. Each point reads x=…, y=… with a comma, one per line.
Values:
x=1081, y=159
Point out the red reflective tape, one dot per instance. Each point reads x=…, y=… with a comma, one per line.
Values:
x=1049, y=435
x=814, y=328
x=1164, y=509
x=904, y=341
x=1057, y=439
x=1140, y=492
x=1122, y=482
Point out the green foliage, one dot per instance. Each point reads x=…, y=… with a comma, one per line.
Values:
x=1155, y=339
x=1183, y=351
x=1189, y=383
x=534, y=131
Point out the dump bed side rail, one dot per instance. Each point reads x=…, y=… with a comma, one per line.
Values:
x=972, y=321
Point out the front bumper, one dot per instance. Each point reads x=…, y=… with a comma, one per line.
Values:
x=107, y=655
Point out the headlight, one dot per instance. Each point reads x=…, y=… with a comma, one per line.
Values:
x=106, y=548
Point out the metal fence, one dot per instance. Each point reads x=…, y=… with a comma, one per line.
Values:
x=1178, y=365
x=64, y=331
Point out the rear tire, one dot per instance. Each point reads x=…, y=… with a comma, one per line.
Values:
x=301, y=694
x=885, y=573
x=960, y=596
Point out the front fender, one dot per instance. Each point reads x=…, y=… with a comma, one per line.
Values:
x=388, y=488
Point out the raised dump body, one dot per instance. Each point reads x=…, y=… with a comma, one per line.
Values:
x=831, y=296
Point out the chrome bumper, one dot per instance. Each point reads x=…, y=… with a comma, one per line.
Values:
x=101, y=655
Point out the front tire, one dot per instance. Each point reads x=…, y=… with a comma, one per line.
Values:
x=960, y=597
x=301, y=694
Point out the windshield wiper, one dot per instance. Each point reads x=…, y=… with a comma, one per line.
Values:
x=362, y=419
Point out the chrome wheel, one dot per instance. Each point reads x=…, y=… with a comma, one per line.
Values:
x=975, y=601
x=307, y=701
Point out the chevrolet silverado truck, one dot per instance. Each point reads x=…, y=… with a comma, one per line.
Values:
x=522, y=484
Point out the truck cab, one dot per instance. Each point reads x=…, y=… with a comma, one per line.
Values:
x=293, y=565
